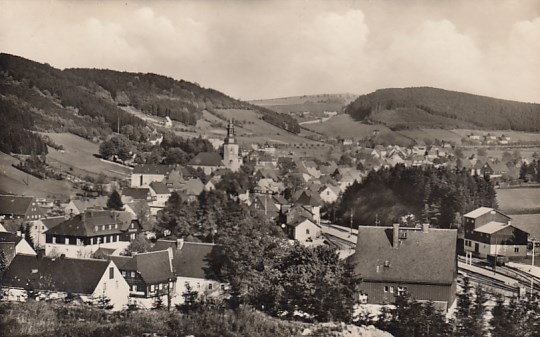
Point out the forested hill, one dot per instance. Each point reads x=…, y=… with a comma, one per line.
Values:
x=87, y=102
x=432, y=107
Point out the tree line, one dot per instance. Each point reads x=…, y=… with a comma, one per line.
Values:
x=439, y=196
x=479, y=111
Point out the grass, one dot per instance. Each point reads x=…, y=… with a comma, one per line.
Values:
x=57, y=319
x=344, y=126
x=519, y=200
x=78, y=158
x=13, y=181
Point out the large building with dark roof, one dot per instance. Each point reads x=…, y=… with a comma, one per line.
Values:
x=392, y=260
x=53, y=278
x=85, y=233
x=145, y=174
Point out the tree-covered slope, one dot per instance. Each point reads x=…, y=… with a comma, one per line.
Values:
x=86, y=101
x=432, y=107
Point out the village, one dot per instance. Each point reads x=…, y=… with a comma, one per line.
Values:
x=112, y=251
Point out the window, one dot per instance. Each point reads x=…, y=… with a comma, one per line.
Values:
x=392, y=290
x=516, y=249
x=134, y=287
x=307, y=231
x=132, y=274
x=210, y=286
x=386, y=289
x=152, y=288
x=123, y=273
x=401, y=290
x=111, y=273
x=54, y=239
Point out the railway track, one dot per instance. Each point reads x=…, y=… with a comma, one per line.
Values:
x=488, y=277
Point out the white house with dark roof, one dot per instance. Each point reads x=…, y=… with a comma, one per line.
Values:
x=159, y=194
x=82, y=235
x=150, y=276
x=39, y=227
x=20, y=208
x=303, y=230
x=56, y=278
x=192, y=266
x=14, y=243
x=145, y=174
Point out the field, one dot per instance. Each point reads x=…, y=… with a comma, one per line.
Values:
x=78, y=158
x=519, y=200
x=346, y=127
x=14, y=181
x=529, y=223
x=514, y=135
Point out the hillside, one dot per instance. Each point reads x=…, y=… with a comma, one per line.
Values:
x=307, y=107
x=438, y=108
x=89, y=102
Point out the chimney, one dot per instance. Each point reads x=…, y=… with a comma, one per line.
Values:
x=395, y=235
x=179, y=243
x=19, y=233
x=425, y=227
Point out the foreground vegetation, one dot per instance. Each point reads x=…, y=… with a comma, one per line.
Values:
x=55, y=319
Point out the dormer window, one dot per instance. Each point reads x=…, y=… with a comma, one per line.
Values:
x=95, y=228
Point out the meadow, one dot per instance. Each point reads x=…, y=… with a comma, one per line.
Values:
x=78, y=158
x=523, y=200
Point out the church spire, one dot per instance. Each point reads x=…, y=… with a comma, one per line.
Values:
x=230, y=133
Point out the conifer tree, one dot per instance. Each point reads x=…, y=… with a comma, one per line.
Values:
x=115, y=201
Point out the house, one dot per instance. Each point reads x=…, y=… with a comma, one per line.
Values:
x=155, y=138
x=130, y=194
x=193, y=188
x=20, y=208
x=58, y=278
x=266, y=205
x=208, y=162
x=145, y=174
x=329, y=193
x=39, y=227
x=494, y=170
x=77, y=206
x=85, y=233
x=14, y=243
x=168, y=122
x=159, y=194
x=192, y=262
x=490, y=232
x=303, y=230
x=393, y=260
x=149, y=275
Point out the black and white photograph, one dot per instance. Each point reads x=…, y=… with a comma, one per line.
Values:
x=269, y=168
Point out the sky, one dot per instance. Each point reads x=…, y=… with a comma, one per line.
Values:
x=269, y=48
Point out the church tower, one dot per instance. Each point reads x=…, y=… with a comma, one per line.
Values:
x=231, y=149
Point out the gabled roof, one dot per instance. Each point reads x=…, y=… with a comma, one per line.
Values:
x=154, y=267
x=481, y=211
x=193, y=259
x=16, y=205
x=193, y=187
x=159, y=188
x=428, y=258
x=53, y=222
x=152, y=169
x=308, y=198
x=492, y=227
x=136, y=193
x=207, y=159
x=66, y=275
